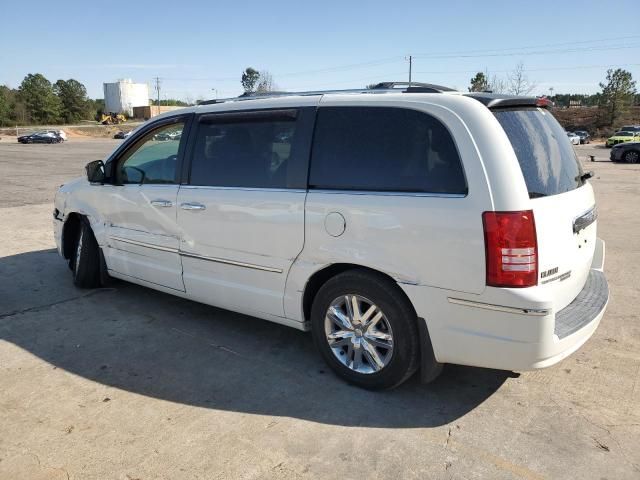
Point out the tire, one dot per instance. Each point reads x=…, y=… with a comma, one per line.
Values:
x=395, y=356
x=631, y=157
x=85, y=259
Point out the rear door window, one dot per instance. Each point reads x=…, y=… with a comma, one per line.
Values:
x=384, y=149
x=260, y=149
x=547, y=159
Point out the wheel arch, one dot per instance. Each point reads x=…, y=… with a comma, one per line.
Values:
x=70, y=232
x=321, y=276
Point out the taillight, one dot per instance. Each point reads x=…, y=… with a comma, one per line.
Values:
x=511, y=249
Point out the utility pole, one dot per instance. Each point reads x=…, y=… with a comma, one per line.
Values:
x=157, y=87
x=410, y=58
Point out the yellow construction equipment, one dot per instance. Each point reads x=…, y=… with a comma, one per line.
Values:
x=112, y=118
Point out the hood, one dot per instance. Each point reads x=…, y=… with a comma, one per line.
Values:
x=71, y=185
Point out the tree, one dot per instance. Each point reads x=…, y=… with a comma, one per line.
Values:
x=519, y=83
x=5, y=108
x=266, y=83
x=73, y=97
x=41, y=102
x=617, y=95
x=497, y=85
x=479, y=83
x=250, y=78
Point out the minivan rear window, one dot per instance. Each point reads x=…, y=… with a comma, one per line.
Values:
x=384, y=149
x=547, y=159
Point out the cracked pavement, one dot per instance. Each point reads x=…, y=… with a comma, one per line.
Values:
x=129, y=383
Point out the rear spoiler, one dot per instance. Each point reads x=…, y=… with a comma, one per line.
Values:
x=497, y=100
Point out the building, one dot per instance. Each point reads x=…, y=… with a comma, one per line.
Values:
x=148, y=111
x=123, y=95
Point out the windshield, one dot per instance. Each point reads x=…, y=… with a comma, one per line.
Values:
x=547, y=159
x=624, y=134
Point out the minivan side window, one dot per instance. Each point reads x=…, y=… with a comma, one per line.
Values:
x=246, y=149
x=384, y=149
x=153, y=159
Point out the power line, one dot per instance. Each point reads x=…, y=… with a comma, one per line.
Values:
x=547, y=45
x=452, y=54
x=535, y=52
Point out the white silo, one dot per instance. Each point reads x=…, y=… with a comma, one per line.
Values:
x=123, y=95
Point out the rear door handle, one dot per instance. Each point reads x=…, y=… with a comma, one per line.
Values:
x=161, y=203
x=192, y=206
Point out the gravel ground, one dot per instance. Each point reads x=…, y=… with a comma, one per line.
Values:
x=128, y=383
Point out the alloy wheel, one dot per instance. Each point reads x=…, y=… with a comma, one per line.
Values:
x=631, y=157
x=359, y=334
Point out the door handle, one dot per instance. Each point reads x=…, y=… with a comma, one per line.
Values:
x=161, y=203
x=192, y=206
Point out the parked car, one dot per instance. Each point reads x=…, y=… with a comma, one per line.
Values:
x=169, y=135
x=622, y=137
x=40, y=137
x=630, y=128
x=60, y=133
x=404, y=229
x=573, y=138
x=628, y=152
x=584, y=136
x=121, y=135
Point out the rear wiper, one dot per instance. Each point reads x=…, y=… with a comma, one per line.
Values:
x=536, y=194
x=586, y=176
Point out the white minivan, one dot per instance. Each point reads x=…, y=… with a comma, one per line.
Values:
x=405, y=227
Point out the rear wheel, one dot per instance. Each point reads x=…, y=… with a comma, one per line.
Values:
x=631, y=157
x=366, y=330
x=85, y=259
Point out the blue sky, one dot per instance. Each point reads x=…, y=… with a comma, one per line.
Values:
x=196, y=46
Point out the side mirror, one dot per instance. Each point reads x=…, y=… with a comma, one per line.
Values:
x=95, y=171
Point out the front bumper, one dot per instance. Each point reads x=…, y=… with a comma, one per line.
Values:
x=58, y=224
x=616, y=154
x=504, y=338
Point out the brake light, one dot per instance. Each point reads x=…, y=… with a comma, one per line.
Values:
x=511, y=249
x=543, y=102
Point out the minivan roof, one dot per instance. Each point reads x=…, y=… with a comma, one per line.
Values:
x=488, y=99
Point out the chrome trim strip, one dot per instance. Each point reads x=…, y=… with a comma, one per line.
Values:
x=242, y=189
x=587, y=218
x=231, y=262
x=199, y=257
x=144, y=244
x=384, y=193
x=500, y=308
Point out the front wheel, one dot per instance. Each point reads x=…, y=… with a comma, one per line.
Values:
x=85, y=259
x=631, y=157
x=366, y=330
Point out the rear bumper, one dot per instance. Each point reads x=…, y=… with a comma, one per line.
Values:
x=518, y=337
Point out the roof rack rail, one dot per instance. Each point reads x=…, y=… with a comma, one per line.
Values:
x=413, y=87
x=384, y=87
